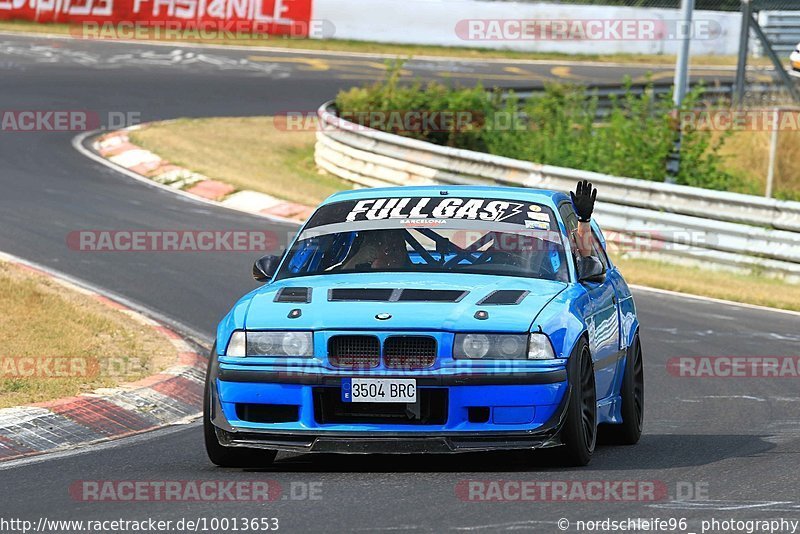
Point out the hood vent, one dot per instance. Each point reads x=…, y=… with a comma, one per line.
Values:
x=367, y=295
x=396, y=295
x=431, y=295
x=504, y=297
x=294, y=294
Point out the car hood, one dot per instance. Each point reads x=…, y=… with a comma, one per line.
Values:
x=452, y=312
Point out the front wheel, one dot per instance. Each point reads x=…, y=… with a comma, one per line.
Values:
x=227, y=456
x=632, y=394
x=580, y=428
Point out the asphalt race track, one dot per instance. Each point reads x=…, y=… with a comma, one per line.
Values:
x=734, y=442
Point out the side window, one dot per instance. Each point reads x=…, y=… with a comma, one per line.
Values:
x=571, y=223
x=302, y=255
x=570, y=219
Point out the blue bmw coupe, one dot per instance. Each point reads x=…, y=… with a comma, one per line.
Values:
x=429, y=320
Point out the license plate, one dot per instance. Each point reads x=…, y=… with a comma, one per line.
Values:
x=379, y=390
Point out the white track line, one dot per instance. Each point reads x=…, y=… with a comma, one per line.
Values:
x=77, y=144
x=91, y=448
x=200, y=339
x=197, y=337
x=713, y=300
x=375, y=55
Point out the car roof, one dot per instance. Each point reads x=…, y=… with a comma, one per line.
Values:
x=539, y=196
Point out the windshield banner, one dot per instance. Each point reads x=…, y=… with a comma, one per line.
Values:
x=428, y=211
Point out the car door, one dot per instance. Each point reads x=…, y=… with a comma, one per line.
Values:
x=603, y=318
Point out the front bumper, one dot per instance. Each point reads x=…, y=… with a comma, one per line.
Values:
x=526, y=411
x=367, y=442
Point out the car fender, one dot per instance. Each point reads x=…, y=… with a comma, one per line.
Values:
x=563, y=319
x=233, y=320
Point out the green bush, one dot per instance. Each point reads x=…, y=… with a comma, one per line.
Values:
x=559, y=127
x=390, y=96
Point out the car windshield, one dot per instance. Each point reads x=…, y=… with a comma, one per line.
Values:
x=438, y=235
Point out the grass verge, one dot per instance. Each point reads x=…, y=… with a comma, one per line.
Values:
x=403, y=50
x=281, y=164
x=60, y=343
x=750, y=289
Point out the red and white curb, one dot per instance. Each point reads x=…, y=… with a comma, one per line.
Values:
x=172, y=396
x=117, y=148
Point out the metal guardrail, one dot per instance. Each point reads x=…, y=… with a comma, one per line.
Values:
x=684, y=223
x=713, y=93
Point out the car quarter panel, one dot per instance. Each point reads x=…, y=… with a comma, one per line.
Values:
x=628, y=318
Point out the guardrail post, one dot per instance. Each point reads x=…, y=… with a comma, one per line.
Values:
x=741, y=65
x=773, y=151
x=680, y=86
x=682, y=66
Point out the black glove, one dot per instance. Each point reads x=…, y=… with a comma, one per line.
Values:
x=583, y=200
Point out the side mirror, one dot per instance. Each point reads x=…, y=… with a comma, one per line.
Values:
x=265, y=267
x=591, y=269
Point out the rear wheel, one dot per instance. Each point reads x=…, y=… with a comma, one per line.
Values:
x=580, y=428
x=632, y=393
x=228, y=456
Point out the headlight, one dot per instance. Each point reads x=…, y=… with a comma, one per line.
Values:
x=472, y=346
x=280, y=344
x=502, y=347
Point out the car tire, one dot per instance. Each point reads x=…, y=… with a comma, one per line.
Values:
x=228, y=456
x=632, y=394
x=579, y=433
